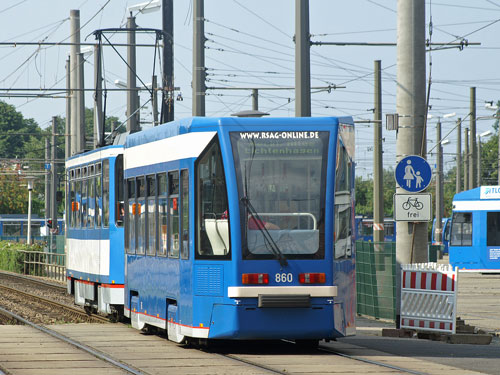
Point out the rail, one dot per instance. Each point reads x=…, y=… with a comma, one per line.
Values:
x=51, y=265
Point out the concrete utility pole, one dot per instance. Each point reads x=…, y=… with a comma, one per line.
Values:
x=132, y=92
x=47, y=179
x=199, y=86
x=466, y=159
x=439, y=185
x=411, y=238
x=302, y=60
x=98, y=114
x=458, y=184
x=53, y=169
x=67, y=135
x=154, y=100
x=167, y=105
x=378, y=183
x=80, y=94
x=74, y=18
x=472, y=141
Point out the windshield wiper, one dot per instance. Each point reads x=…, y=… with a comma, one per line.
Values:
x=271, y=244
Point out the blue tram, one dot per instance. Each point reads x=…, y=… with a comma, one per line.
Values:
x=444, y=239
x=94, y=234
x=475, y=230
x=364, y=229
x=241, y=228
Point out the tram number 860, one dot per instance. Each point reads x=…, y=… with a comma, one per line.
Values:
x=283, y=278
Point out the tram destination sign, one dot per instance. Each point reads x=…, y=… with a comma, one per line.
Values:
x=412, y=207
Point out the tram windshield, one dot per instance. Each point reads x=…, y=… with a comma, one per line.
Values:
x=281, y=176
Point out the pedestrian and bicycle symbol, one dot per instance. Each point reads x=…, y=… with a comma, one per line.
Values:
x=412, y=202
x=413, y=173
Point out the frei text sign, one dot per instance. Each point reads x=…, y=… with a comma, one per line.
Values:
x=412, y=207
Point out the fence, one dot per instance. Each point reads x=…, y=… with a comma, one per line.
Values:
x=376, y=279
x=37, y=263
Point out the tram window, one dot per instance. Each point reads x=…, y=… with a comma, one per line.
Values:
x=185, y=214
x=72, y=204
x=493, y=229
x=78, y=202
x=11, y=228
x=98, y=198
x=173, y=197
x=141, y=215
x=105, y=193
x=212, y=221
x=342, y=230
x=151, y=226
x=84, y=202
x=130, y=242
x=91, y=203
x=461, y=230
x=343, y=170
x=120, y=209
x=162, y=214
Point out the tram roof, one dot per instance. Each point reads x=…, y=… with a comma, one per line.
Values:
x=479, y=193
x=196, y=124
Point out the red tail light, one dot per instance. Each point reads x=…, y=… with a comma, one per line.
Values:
x=255, y=278
x=312, y=278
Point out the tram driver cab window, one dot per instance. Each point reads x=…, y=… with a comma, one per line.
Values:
x=212, y=218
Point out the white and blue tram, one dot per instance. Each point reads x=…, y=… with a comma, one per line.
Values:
x=94, y=234
x=475, y=230
x=241, y=228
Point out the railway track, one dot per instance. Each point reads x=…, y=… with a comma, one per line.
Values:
x=19, y=296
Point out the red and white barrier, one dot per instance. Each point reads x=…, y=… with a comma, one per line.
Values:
x=429, y=297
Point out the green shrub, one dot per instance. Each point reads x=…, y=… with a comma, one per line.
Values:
x=11, y=259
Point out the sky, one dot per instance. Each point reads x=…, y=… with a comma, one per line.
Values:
x=250, y=44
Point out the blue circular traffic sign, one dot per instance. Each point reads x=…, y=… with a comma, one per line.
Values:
x=413, y=173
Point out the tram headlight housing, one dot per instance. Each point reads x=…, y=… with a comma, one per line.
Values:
x=255, y=278
x=312, y=278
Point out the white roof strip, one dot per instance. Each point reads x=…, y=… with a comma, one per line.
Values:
x=184, y=146
x=107, y=153
x=487, y=205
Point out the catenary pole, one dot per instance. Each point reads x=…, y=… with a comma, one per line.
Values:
x=302, y=60
x=53, y=175
x=458, y=182
x=132, y=92
x=438, y=234
x=74, y=18
x=378, y=184
x=472, y=141
x=47, y=179
x=411, y=238
x=167, y=104
x=67, y=135
x=199, y=87
x=466, y=159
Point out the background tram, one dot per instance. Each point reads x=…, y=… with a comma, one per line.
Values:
x=364, y=229
x=241, y=228
x=94, y=238
x=15, y=227
x=444, y=240
x=475, y=230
